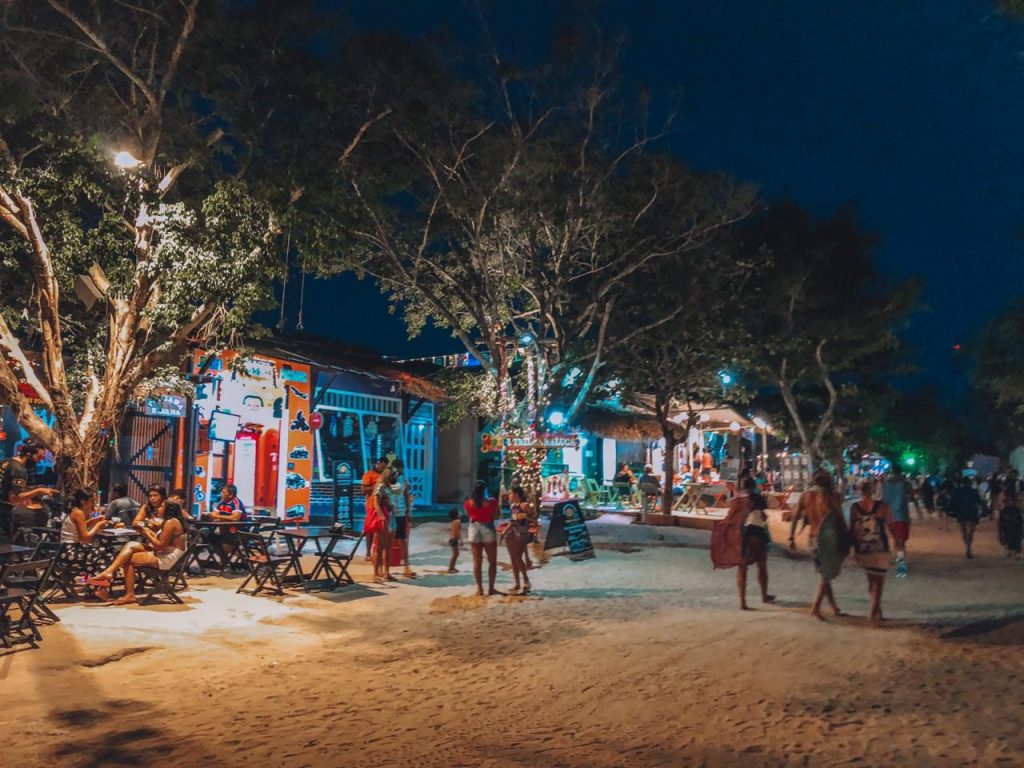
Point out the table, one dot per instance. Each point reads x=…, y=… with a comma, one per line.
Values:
x=118, y=534
x=296, y=539
x=11, y=551
x=330, y=559
x=691, y=497
x=236, y=556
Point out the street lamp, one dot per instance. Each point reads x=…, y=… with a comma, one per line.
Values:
x=763, y=426
x=126, y=160
x=556, y=418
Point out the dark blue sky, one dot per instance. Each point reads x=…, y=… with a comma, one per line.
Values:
x=912, y=109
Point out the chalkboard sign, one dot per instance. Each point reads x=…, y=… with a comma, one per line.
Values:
x=569, y=529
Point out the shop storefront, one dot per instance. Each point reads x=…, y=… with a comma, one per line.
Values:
x=284, y=427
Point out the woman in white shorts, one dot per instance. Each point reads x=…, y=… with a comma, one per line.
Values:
x=160, y=550
x=483, y=537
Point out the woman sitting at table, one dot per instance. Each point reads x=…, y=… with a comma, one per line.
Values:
x=624, y=476
x=161, y=551
x=78, y=554
x=150, y=513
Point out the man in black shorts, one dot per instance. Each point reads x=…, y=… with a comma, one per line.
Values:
x=403, y=514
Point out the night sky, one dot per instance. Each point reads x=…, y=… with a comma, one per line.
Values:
x=911, y=109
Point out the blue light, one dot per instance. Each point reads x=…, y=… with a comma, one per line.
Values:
x=726, y=378
x=556, y=418
x=526, y=338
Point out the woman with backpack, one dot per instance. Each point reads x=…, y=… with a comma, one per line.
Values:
x=870, y=521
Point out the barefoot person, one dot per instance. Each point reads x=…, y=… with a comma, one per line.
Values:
x=385, y=510
x=820, y=509
x=741, y=540
x=483, y=538
x=161, y=551
x=454, y=538
x=402, y=500
x=370, y=479
x=870, y=520
x=517, y=536
x=78, y=553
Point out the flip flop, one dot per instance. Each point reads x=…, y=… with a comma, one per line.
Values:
x=97, y=581
x=124, y=601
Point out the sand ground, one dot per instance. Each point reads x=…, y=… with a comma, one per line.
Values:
x=636, y=658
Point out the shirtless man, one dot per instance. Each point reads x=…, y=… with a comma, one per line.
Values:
x=814, y=506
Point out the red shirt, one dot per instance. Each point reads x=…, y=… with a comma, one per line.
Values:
x=370, y=480
x=485, y=514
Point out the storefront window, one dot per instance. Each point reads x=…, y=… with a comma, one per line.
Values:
x=340, y=440
x=383, y=436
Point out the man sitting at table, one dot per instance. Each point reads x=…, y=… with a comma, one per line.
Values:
x=230, y=509
x=121, y=507
x=649, y=483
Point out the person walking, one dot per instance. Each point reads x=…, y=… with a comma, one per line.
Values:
x=965, y=507
x=1011, y=524
x=926, y=496
x=870, y=519
x=820, y=509
x=742, y=539
x=483, y=538
x=896, y=493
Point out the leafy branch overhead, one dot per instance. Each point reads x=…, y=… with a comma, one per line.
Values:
x=172, y=247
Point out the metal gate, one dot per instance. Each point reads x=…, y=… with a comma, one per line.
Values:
x=145, y=453
x=419, y=454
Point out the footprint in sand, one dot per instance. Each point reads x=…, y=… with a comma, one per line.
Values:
x=457, y=603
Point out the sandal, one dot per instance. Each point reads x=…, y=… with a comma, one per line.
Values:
x=99, y=581
x=124, y=601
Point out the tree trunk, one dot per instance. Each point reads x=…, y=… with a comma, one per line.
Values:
x=669, y=433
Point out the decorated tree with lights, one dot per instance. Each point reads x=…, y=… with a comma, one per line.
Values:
x=531, y=203
x=128, y=230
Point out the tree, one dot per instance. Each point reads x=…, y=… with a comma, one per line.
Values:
x=524, y=213
x=822, y=319
x=679, y=367
x=175, y=243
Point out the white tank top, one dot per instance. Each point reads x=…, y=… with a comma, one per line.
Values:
x=68, y=531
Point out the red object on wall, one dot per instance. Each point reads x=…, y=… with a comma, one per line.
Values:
x=316, y=419
x=267, y=464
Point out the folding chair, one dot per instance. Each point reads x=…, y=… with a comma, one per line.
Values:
x=167, y=583
x=595, y=493
x=24, y=629
x=263, y=565
x=36, y=580
x=60, y=582
x=331, y=559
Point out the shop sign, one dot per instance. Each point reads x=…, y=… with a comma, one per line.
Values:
x=494, y=442
x=569, y=529
x=165, y=405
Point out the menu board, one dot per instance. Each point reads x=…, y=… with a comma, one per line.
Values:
x=569, y=529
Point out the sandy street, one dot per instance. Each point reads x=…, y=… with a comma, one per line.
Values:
x=637, y=658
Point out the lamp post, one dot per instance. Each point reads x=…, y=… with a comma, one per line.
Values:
x=763, y=426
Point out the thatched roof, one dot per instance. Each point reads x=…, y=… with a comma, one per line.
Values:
x=620, y=424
